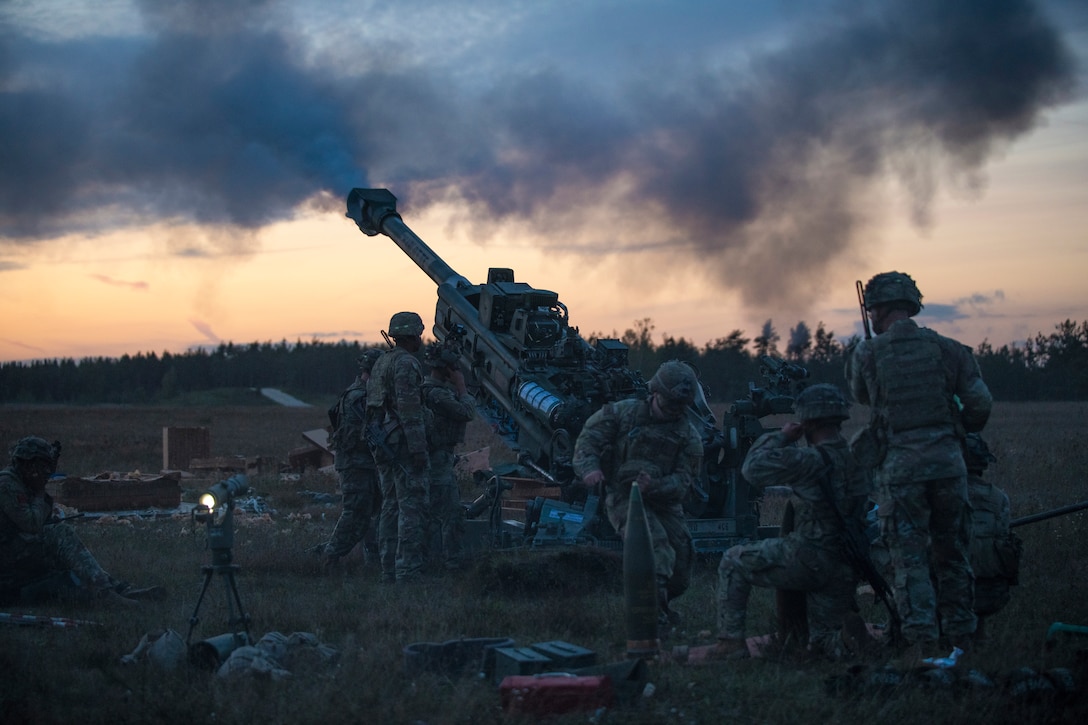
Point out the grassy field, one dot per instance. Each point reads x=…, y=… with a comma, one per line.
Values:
x=75, y=675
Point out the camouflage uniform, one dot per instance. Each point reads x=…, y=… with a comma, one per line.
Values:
x=359, y=481
x=394, y=401
x=809, y=558
x=913, y=378
x=34, y=554
x=623, y=438
x=995, y=550
x=450, y=417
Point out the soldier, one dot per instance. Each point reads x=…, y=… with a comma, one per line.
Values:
x=355, y=466
x=445, y=395
x=40, y=559
x=651, y=442
x=995, y=550
x=925, y=391
x=809, y=558
x=396, y=419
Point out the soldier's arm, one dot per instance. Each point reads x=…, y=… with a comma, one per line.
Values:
x=445, y=403
x=28, y=512
x=596, y=435
x=856, y=363
x=972, y=391
x=774, y=460
x=407, y=381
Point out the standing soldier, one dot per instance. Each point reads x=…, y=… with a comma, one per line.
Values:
x=653, y=443
x=398, y=437
x=995, y=550
x=810, y=558
x=925, y=391
x=445, y=395
x=355, y=466
x=43, y=560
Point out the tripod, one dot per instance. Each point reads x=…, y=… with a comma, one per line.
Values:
x=221, y=564
x=220, y=541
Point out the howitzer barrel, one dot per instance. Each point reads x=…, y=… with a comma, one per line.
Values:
x=1044, y=515
x=375, y=212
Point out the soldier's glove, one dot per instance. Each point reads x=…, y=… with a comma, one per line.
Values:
x=638, y=470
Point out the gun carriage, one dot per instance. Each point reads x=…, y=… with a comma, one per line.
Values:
x=537, y=381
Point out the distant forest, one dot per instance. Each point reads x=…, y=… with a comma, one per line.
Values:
x=1050, y=366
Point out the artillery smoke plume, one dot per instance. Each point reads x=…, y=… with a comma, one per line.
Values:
x=763, y=173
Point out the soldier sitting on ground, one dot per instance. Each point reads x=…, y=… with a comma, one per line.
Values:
x=41, y=559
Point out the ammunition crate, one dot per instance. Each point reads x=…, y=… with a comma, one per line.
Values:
x=566, y=656
x=524, y=490
x=519, y=661
x=117, y=492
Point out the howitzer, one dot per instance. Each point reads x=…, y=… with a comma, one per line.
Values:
x=537, y=380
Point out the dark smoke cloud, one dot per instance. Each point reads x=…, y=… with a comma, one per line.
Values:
x=763, y=176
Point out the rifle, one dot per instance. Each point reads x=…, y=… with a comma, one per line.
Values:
x=855, y=547
x=24, y=620
x=864, y=313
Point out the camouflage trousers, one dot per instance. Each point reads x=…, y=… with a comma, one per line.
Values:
x=401, y=526
x=674, y=554
x=58, y=550
x=787, y=563
x=445, y=515
x=361, y=489
x=926, y=528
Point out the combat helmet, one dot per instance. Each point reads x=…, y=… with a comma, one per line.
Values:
x=675, y=381
x=405, y=324
x=368, y=358
x=438, y=355
x=33, y=448
x=976, y=454
x=889, y=287
x=822, y=401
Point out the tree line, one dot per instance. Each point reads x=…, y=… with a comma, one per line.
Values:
x=1050, y=366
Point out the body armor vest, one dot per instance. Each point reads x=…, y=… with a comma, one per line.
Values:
x=657, y=443
x=814, y=520
x=380, y=388
x=910, y=371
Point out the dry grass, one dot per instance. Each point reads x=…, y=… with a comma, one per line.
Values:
x=69, y=675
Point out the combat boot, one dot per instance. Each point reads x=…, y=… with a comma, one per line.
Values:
x=729, y=648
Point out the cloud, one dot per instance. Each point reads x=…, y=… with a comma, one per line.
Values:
x=142, y=286
x=942, y=313
x=763, y=169
x=205, y=329
x=8, y=266
x=341, y=335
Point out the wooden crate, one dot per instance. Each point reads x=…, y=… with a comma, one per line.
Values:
x=117, y=492
x=523, y=491
x=181, y=445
